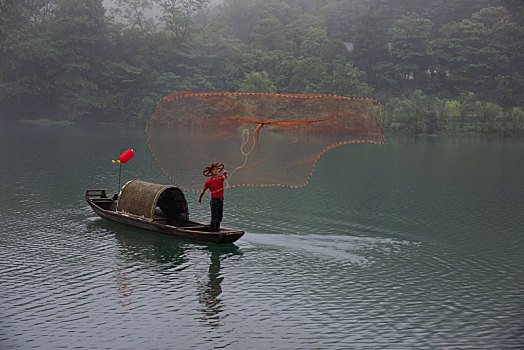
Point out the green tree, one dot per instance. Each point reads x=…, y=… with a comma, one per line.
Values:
x=226, y=58
x=257, y=82
x=347, y=80
x=410, y=114
x=177, y=16
x=268, y=34
x=371, y=52
x=506, y=38
x=297, y=29
x=334, y=53
x=441, y=12
x=136, y=15
x=314, y=42
x=341, y=18
x=242, y=15
x=410, y=37
x=28, y=58
x=261, y=60
x=308, y=75
x=469, y=56
x=284, y=73
x=79, y=36
x=514, y=123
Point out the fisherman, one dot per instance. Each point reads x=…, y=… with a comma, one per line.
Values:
x=216, y=187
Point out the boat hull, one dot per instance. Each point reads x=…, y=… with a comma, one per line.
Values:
x=223, y=236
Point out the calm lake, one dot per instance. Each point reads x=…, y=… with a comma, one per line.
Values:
x=417, y=243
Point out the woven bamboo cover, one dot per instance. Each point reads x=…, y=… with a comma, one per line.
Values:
x=140, y=197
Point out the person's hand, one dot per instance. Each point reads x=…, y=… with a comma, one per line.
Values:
x=200, y=199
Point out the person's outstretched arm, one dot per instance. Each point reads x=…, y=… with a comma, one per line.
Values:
x=201, y=194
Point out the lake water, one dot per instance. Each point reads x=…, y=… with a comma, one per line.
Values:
x=417, y=243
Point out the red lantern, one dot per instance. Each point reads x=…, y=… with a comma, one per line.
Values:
x=125, y=157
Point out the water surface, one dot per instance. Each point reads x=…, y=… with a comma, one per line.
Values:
x=413, y=244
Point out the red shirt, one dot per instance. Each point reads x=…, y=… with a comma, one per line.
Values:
x=216, y=186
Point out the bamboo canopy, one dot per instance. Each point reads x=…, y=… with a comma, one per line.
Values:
x=141, y=198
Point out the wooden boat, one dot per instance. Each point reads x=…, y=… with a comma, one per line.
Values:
x=157, y=208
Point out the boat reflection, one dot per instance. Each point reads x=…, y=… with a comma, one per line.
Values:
x=135, y=245
x=169, y=256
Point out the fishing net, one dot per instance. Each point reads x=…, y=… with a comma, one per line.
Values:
x=262, y=139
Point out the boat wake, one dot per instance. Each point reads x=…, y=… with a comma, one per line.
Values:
x=355, y=250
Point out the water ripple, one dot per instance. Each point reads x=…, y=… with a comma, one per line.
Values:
x=412, y=248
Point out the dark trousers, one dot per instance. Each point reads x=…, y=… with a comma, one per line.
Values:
x=217, y=207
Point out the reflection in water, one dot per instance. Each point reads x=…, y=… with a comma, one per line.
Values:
x=169, y=254
x=143, y=246
x=124, y=295
x=210, y=291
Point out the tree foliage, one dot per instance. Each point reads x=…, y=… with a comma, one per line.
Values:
x=439, y=66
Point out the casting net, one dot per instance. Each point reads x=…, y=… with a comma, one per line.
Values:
x=262, y=139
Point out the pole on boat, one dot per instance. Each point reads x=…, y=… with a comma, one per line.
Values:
x=119, y=172
x=124, y=158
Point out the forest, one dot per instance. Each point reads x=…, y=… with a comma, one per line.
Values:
x=439, y=67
